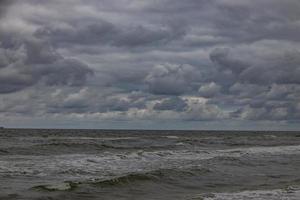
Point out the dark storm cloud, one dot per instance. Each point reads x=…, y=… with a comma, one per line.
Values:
x=169, y=59
x=257, y=20
x=279, y=67
x=171, y=79
x=3, y=6
x=103, y=32
x=227, y=61
x=34, y=61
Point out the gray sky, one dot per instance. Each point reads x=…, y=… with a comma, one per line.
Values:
x=151, y=64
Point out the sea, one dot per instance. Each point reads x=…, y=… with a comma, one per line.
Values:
x=53, y=164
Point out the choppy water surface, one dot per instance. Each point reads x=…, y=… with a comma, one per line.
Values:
x=98, y=164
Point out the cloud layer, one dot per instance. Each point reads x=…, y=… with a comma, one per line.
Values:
x=120, y=60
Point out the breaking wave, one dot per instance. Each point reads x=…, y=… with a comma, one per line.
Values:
x=161, y=175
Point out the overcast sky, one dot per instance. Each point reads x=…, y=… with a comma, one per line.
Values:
x=151, y=64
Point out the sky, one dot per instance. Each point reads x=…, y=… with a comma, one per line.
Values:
x=150, y=64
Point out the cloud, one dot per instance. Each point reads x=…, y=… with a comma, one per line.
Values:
x=3, y=6
x=209, y=89
x=250, y=20
x=170, y=79
x=173, y=103
x=34, y=61
x=107, y=33
x=146, y=60
x=226, y=61
x=250, y=66
x=200, y=109
x=89, y=100
x=275, y=113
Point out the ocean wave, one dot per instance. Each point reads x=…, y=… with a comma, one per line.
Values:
x=103, y=146
x=65, y=186
x=290, y=193
x=108, y=162
x=291, y=149
x=159, y=176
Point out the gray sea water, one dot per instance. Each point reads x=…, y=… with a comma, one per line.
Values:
x=185, y=165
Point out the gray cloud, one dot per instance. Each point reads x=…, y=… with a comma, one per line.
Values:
x=171, y=79
x=34, y=61
x=174, y=60
x=3, y=6
x=277, y=67
x=273, y=19
x=103, y=32
x=174, y=103
x=209, y=89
